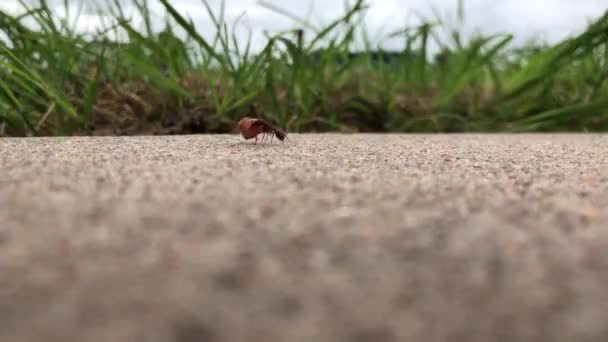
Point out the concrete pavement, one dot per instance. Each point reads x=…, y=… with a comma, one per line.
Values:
x=331, y=238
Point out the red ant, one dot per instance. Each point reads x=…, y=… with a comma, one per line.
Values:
x=251, y=127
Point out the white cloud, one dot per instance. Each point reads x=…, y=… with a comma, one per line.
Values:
x=550, y=19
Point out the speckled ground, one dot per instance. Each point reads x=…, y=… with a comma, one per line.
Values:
x=350, y=238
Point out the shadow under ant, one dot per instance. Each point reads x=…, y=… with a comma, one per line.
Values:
x=256, y=145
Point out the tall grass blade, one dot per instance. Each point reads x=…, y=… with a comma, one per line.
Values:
x=570, y=112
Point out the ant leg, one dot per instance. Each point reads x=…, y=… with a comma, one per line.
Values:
x=256, y=140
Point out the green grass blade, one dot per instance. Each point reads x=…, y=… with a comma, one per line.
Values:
x=92, y=90
x=469, y=71
x=190, y=29
x=564, y=113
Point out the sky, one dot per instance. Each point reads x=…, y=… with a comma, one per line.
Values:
x=550, y=20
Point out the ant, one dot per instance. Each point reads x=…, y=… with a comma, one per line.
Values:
x=251, y=127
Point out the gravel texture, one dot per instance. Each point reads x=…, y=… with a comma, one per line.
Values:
x=345, y=238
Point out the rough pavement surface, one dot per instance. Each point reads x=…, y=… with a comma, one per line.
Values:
x=332, y=238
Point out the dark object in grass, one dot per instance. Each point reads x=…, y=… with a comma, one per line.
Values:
x=250, y=128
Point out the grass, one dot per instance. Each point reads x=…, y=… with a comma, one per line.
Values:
x=56, y=80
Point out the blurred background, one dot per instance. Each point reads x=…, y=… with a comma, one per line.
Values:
x=117, y=67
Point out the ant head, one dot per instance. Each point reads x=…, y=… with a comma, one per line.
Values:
x=280, y=135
